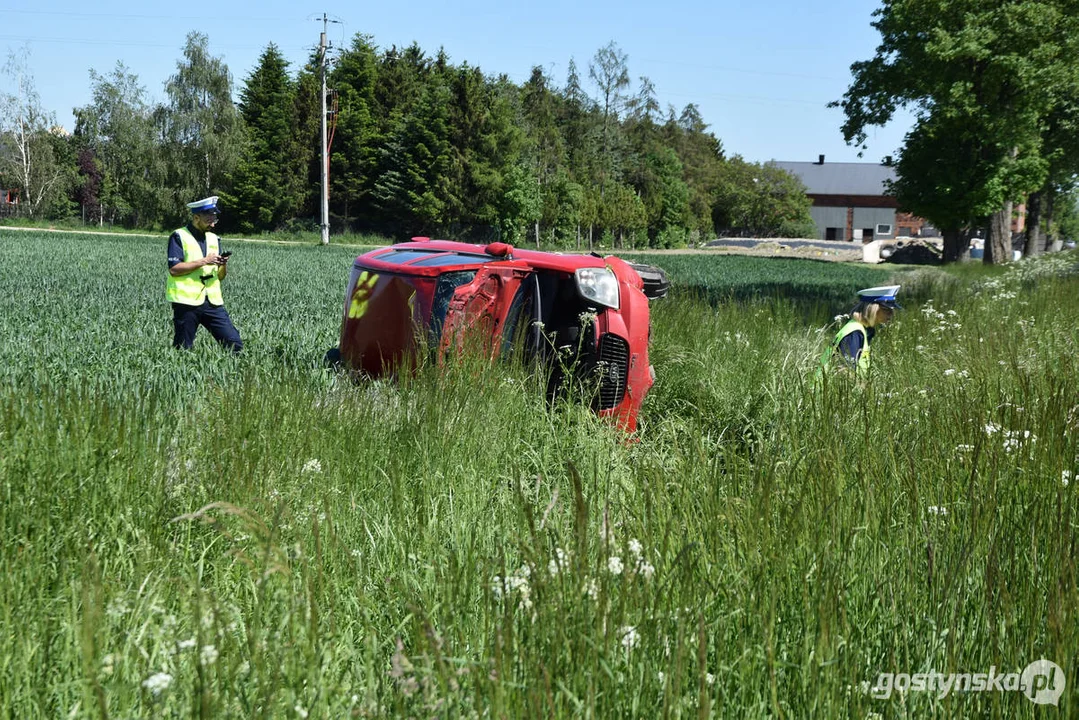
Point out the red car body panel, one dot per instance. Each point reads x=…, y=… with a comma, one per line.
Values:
x=452, y=291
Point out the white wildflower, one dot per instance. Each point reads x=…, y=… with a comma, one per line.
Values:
x=591, y=589
x=938, y=510
x=709, y=678
x=990, y=428
x=646, y=569
x=117, y=608
x=107, y=663
x=920, y=348
x=1066, y=478
x=964, y=448
x=208, y=656
x=558, y=563
x=636, y=548
x=953, y=313
x=630, y=637
x=514, y=584
x=614, y=565
x=839, y=318
x=949, y=372
x=157, y=683
x=185, y=644
x=300, y=710
x=660, y=676
x=312, y=466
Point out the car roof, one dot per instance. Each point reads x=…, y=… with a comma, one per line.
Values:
x=420, y=263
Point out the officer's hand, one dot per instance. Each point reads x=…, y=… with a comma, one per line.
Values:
x=212, y=259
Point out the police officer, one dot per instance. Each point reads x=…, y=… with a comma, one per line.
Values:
x=196, y=269
x=875, y=307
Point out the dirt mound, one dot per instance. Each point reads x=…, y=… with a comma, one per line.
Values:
x=914, y=253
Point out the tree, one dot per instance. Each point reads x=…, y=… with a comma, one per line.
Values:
x=521, y=204
x=609, y=71
x=989, y=71
x=118, y=128
x=485, y=143
x=201, y=125
x=411, y=190
x=88, y=191
x=1067, y=217
x=763, y=200
x=356, y=139
x=265, y=190
x=545, y=145
x=27, y=152
x=950, y=151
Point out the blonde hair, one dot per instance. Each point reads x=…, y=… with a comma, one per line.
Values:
x=869, y=313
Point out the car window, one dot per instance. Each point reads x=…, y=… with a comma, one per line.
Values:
x=402, y=256
x=447, y=283
x=448, y=259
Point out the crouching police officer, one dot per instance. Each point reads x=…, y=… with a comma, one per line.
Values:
x=196, y=269
x=875, y=307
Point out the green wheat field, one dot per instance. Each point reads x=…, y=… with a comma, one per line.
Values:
x=201, y=535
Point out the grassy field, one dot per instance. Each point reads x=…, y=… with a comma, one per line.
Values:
x=196, y=534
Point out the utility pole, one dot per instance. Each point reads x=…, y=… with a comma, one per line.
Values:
x=325, y=151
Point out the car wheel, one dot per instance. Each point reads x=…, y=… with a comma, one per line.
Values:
x=332, y=359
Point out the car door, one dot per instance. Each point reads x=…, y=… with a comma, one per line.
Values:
x=477, y=311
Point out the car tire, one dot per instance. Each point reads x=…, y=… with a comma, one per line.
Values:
x=656, y=284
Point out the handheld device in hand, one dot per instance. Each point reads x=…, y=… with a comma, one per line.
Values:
x=226, y=253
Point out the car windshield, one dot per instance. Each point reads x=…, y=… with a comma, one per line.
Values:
x=447, y=283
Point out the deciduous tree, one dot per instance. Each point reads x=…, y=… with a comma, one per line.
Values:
x=28, y=159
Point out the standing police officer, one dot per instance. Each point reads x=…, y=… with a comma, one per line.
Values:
x=196, y=269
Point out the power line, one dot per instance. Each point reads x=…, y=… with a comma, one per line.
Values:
x=133, y=16
x=115, y=43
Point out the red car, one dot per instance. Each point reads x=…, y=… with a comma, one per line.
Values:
x=584, y=317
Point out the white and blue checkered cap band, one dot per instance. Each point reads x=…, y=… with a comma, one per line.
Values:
x=885, y=295
x=205, y=205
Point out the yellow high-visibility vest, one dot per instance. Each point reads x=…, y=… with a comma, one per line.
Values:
x=201, y=284
x=852, y=326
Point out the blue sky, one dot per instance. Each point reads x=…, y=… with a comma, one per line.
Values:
x=761, y=73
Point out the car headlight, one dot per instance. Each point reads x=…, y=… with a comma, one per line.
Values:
x=598, y=285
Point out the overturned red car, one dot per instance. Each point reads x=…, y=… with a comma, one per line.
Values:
x=584, y=318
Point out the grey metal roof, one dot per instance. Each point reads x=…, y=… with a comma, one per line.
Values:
x=840, y=178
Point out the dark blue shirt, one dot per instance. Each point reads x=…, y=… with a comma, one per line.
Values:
x=851, y=345
x=176, y=247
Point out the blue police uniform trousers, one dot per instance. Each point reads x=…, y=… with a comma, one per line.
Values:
x=187, y=318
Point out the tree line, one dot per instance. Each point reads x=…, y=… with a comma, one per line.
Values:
x=420, y=146
x=995, y=90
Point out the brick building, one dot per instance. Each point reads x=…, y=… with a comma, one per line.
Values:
x=851, y=201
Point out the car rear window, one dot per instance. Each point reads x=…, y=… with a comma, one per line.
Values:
x=450, y=259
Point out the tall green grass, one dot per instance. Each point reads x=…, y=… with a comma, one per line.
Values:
x=282, y=542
